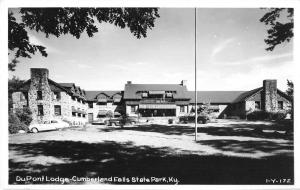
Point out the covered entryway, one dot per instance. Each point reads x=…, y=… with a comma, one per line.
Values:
x=157, y=110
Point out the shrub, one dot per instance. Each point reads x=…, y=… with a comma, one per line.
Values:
x=279, y=115
x=24, y=115
x=15, y=125
x=258, y=115
x=264, y=115
x=109, y=114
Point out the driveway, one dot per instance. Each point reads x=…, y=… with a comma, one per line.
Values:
x=227, y=152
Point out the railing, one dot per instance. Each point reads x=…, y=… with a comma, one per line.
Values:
x=157, y=101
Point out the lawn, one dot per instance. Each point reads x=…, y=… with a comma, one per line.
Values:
x=227, y=152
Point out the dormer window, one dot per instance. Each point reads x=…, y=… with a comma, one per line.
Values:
x=57, y=95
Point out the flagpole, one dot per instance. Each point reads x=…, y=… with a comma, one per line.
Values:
x=196, y=109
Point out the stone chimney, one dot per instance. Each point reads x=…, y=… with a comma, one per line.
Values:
x=39, y=77
x=39, y=83
x=270, y=95
x=183, y=82
x=129, y=82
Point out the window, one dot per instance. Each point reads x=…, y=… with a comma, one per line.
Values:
x=133, y=109
x=39, y=95
x=40, y=110
x=73, y=114
x=257, y=105
x=57, y=110
x=280, y=105
x=84, y=115
x=102, y=103
x=91, y=105
x=57, y=95
x=181, y=108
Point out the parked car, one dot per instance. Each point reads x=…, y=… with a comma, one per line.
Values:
x=191, y=118
x=101, y=120
x=120, y=121
x=53, y=124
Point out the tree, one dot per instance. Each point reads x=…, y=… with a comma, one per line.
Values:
x=290, y=93
x=109, y=114
x=74, y=21
x=281, y=22
x=24, y=115
x=290, y=90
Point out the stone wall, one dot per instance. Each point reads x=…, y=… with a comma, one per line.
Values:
x=19, y=102
x=64, y=102
x=286, y=103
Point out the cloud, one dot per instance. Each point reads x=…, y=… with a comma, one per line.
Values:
x=119, y=67
x=141, y=63
x=259, y=60
x=83, y=66
x=272, y=57
x=221, y=46
x=131, y=66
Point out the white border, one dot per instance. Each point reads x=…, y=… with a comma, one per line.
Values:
x=4, y=4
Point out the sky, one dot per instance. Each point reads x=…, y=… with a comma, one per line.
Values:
x=231, y=53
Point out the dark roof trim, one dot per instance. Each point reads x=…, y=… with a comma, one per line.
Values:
x=284, y=95
x=254, y=93
x=59, y=86
x=22, y=85
x=247, y=95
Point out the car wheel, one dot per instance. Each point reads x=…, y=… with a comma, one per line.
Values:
x=34, y=130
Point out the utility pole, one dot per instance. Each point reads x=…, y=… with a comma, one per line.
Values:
x=196, y=109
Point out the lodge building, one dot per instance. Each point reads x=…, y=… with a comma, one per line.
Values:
x=48, y=99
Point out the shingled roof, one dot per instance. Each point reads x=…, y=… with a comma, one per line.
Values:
x=225, y=97
x=131, y=90
x=67, y=85
x=77, y=90
x=247, y=94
